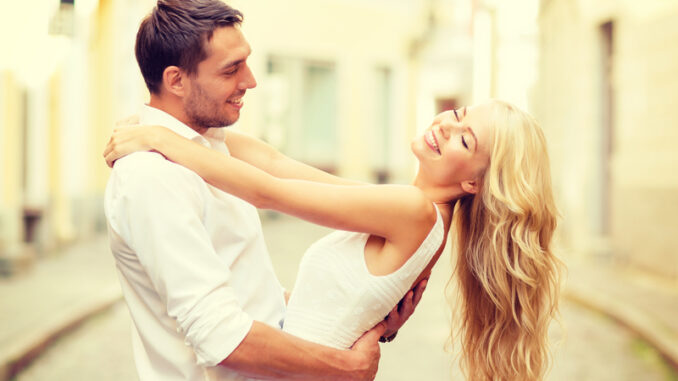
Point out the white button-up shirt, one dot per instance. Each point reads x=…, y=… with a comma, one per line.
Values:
x=191, y=260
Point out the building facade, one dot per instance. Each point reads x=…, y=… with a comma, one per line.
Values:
x=608, y=78
x=343, y=85
x=61, y=93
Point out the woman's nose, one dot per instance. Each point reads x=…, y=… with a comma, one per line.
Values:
x=446, y=129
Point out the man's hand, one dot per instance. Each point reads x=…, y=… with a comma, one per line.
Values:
x=367, y=353
x=403, y=310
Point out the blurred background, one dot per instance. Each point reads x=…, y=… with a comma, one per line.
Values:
x=345, y=85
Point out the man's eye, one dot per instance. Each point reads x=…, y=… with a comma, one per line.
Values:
x=463, y=141
x=455, y=115
x=231, y=71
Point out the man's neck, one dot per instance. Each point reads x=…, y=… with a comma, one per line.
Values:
x=175, y=108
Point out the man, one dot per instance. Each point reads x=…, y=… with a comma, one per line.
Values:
x=192, y=262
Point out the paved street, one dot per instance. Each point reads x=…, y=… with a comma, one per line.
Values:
x=592, y=347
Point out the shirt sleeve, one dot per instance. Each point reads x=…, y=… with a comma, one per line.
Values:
x=158, y=210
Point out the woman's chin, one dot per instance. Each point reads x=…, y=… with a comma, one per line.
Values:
x=416, y=148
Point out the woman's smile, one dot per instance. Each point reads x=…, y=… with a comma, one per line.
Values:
x=432, y=141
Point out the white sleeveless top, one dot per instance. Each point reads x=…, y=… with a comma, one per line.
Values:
x=336, y=299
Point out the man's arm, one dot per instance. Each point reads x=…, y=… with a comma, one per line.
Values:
x=265, y=157
x=270, y=354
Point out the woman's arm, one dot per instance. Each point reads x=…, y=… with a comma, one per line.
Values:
x=265, y=157
x=395, y=212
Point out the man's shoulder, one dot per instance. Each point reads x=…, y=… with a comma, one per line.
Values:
x=148, y=168
x=147, y=163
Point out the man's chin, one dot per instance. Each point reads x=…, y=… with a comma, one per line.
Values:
x=216, y=122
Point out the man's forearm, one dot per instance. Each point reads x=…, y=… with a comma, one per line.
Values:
x=270, y=354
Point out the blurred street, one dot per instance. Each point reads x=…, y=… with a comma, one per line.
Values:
x=590, y=347
x=600, y=77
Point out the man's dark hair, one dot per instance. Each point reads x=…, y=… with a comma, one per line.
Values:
x=176, y=33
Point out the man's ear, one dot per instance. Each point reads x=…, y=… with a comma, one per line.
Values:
x=174, y=80
x=470, y=186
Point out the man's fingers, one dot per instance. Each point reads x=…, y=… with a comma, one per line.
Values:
x=376, y=332
x=419, y=291
x=372, y=336
x=408, y=308
x=405, y=304
x=393, y=314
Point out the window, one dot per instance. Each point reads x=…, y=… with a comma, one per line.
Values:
x=301, y=110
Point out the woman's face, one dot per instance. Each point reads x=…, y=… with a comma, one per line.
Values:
x=455, y=149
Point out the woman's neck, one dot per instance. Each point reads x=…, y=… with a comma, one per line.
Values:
x=439, y=194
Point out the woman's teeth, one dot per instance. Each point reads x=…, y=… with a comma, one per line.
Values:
x=431, y=140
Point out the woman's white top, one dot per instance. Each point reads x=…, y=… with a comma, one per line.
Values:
x=336, y=299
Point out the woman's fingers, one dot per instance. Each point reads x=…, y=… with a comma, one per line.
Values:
x=121, y=133
x=129, y=121
x=109, y=160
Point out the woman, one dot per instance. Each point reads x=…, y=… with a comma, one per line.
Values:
x=488, y=164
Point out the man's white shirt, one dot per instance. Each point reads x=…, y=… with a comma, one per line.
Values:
x=191, y=260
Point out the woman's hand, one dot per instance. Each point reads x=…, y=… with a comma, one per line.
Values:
x=129, y=139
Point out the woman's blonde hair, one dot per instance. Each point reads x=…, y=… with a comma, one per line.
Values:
x=508, y=276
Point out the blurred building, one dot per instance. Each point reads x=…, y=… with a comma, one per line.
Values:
x=607, y=97
x=343, y=85
x=62, y=86
x=505, y=50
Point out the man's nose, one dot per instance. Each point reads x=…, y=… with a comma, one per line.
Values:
x=247, y=81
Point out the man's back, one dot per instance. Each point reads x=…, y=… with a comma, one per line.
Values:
x=192, y=262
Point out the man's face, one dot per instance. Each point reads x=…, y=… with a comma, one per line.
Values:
x=215, y=92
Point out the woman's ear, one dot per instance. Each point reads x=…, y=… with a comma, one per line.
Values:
x=470, y=186
x=173, y=80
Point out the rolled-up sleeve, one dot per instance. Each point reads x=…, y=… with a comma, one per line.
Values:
x=159, y=211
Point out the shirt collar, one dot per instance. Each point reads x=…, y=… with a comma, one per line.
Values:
x=154, y=116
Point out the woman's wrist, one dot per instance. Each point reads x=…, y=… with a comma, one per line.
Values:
x=160, y=139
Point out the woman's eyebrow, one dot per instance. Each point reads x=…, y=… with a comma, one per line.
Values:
x=475, y=146
x=456, y=114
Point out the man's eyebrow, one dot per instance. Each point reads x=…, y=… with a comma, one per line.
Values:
x=229, y=65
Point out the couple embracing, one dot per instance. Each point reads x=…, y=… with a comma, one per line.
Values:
x=194, y=269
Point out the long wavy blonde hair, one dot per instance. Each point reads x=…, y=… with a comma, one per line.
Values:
x=508, y=275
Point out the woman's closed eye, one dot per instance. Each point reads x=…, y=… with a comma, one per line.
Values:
x=463, y=141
